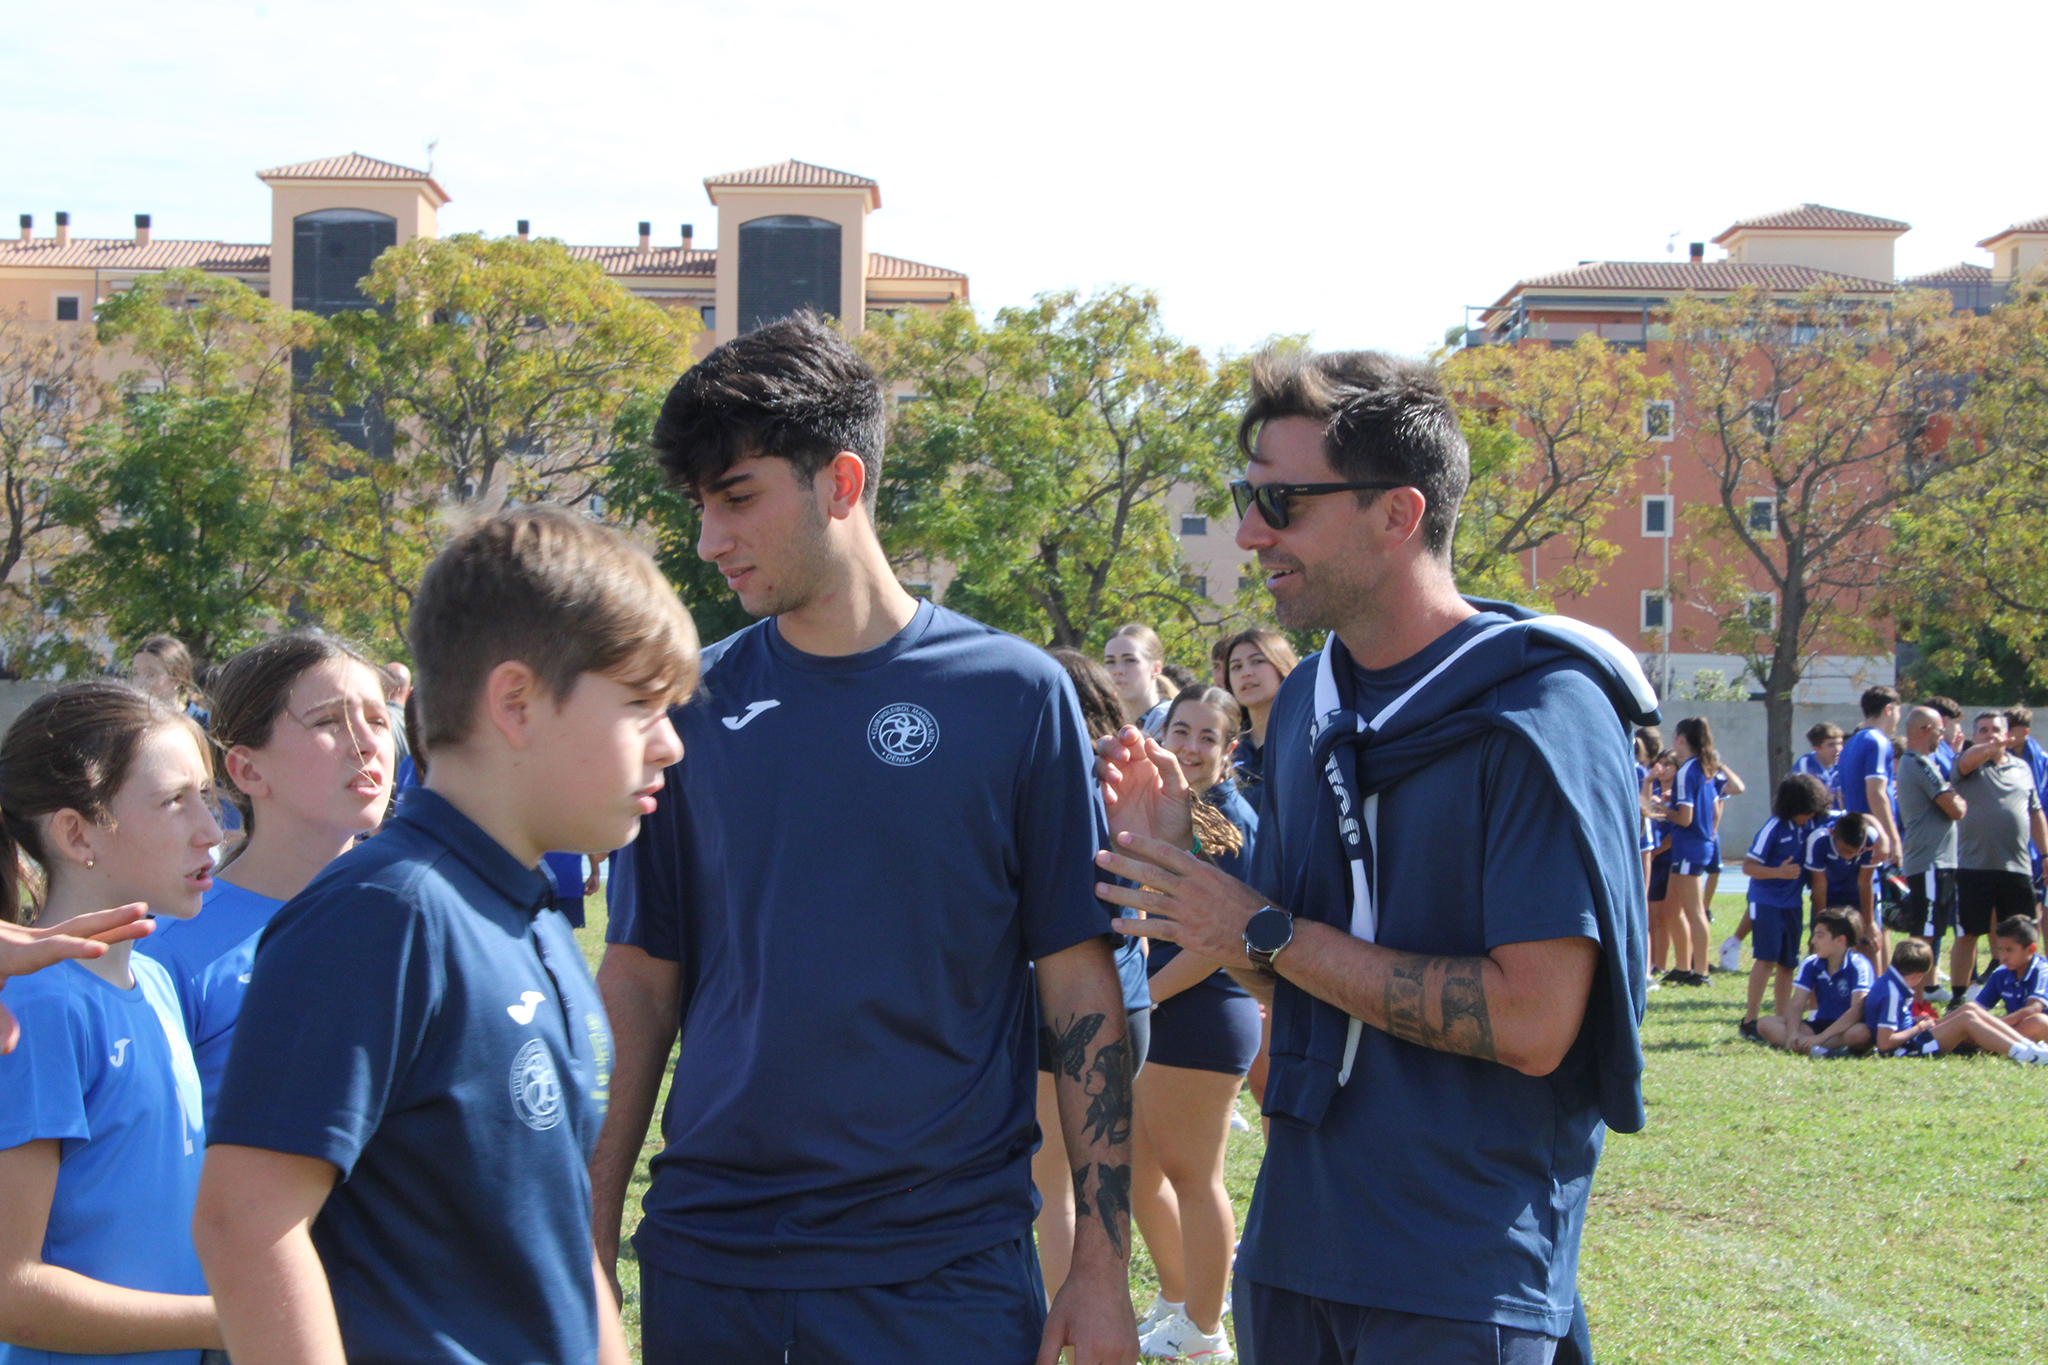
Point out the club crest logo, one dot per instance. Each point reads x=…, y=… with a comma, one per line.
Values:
x=536, y=1090
x=902, y=734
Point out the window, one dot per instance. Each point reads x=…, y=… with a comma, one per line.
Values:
x=67, y=308
x=332, y=249
x=788, y=263
x=1763, y=516
x=1194, y=526
x=1245, y=580
x=709, y=313
x=1760, y=611
x=1660, y=420
x=1200, y=583
x=1657, y=515
x=596, y=505
x=1653, y=610
x=1763, y=417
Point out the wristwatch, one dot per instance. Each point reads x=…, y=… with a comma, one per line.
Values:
x=1266, y=935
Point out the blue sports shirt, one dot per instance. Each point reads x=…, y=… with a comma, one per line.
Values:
x=1694, y=788
x=1779, y=842
x=187, y=947
x=1844, y=874
x=1865, y=754
x=210, y=992
x=854, y=867
x=2014, y=990
x=1834, y=991
x=421, y=1018
x=1809, y=763
x=1889, y=1004
x=107, y=1074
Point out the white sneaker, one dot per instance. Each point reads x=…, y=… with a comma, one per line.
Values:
x=1239, y=1123
x=1160, y=1311
x=1179, y=1339
x=1731, y=954
x=1939, y=995
x=2029, y=1054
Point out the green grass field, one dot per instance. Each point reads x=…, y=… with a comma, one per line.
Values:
x=1778, y=1208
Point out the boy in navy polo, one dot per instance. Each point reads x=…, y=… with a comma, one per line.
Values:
x=397, y=1169
x=1839, y=859
x=1888, y=1013
x=1775, y=866
x=2020, y=980
x=1833, y=981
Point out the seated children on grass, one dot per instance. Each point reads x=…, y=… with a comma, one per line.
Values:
x=1888, y=1014
x=1776, y=867
x=2020, y=980
x=1839, y=858
x=1833, y=983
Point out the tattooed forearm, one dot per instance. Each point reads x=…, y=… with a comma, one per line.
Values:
x=1109, y=1108
x=1113, y=1202
x=1067, y=1045
x=1080, y=1184
x=1453, y=989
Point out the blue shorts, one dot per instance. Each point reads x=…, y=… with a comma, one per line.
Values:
x=993, y=1299
x=1694, y=864
x=1774, y=934
x=1660, y=876
x=1926, y=1045
x=1281, y=1327
x=1203, y=1029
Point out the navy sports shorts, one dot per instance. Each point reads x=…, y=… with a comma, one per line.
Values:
x=1774, y=935
x=1695, y=865
x=1660, y=876
x=993, y=1300
x=1204, y=1029
x=1926, y=1045
x=1281, y=1327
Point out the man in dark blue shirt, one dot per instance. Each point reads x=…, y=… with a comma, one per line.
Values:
x=1865, y=770
x=1451, y=1036
x=886, y=819
x=397, y=1167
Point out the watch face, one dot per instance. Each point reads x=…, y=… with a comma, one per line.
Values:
x=1268, y=931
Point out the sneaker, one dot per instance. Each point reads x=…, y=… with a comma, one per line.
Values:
x=2029, y=1054
x=1731, y=955
x=1939, y=995
x=1179, y=1339
x=1748, y=1030
x=1826, y=1053
x=1160, y=1311
x=1239, y=1123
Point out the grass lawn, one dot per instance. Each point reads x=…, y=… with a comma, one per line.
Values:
x=1778, y=1208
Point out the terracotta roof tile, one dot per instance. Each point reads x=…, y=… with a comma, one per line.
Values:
x=2031, y=227
x=660, y=260
x=354, y=166
x=1962, y=272
x=794, y=174
x=1816, y=218
x=125, y=253
x=1676, y=277
x=882, y=267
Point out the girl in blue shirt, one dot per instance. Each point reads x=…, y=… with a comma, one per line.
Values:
x=103, y=788
x=305, y=736
x=1694, y=806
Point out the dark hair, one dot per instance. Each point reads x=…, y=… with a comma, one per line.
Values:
x=1800, y=794
x=1212, y=826
x=554, y=591
x=1822, y=733
x=1948, y=707
x=1875, y=699
x=794, y=389
x=1911, y=955
x=1649, y=744
x=69, y=750
x=251, y=690
x=1838, y=922
x=2019, y=718
x=2018, y=929
x=1384, y=419
x=2002, y=717
x=1270, y=643
x=1695, y=731
x=1853, y=829
x=1102, y=711
x=1180, y=675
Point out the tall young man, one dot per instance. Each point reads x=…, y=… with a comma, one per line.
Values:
x=1865, y=769
x=886, y=818
x=1449, y=1035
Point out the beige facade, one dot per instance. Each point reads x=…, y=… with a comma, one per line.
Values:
x=2018, y=251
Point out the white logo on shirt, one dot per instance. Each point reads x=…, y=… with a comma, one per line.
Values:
x=536, y=1091
x=522, y=1013
x=120, y=1051
x=244, y=977
x=754, y=708
x=902, y=734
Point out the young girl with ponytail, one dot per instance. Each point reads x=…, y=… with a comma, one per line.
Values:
x=103, y=802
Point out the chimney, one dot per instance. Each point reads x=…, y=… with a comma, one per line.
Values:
x=142, y=229
x=525, y=231
x=28, y=227
x=63, y=229
x=646, y=236
x=1699, y=253
x=689, y=236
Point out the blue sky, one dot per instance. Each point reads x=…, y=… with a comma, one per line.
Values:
x=1358, y=172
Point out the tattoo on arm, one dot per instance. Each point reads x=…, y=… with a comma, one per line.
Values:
x=1080, y=1185
x=1464, y=1026
x=1113, y=1202
x=1109, y=1109
x=1068, y=1045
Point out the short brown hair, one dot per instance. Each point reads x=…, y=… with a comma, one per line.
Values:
x=1837, y=922
x=554, y=591
x=2019, y=718
x=1384, y=419
x=1912, y=955
x=1822, y=733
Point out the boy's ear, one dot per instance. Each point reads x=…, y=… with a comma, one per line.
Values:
x=512, y=691
x=847, y=477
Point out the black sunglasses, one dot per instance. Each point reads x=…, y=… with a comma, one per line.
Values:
x=1272, y=498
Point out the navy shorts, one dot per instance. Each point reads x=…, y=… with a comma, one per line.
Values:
x=1660, y=876
x=1204, y=1029
x=993, y=1299
x=1697, y=863
x=1281, y=1327
x=1926, y=1045
x=1774, y=934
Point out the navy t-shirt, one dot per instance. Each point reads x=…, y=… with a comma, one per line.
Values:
x=2013, y=990
x=1694, y=788
x=421, y=1018
x=1437, y=1184
x=854, y=866
x=1834, y=989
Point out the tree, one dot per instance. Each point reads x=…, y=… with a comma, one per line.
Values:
x=188, y=513
x=1034, y=455
x=502, y=365
x=1837, y=413
x=1554, y=436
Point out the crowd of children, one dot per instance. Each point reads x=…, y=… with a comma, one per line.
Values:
x=1876, y=848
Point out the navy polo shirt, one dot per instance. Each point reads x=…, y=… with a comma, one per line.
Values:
x=854, y=866
x=1889, y=1003
x=2013, y=990
x=1779, y=842
x=1437, y=1184
x=421, y=1018
x=1834, y=989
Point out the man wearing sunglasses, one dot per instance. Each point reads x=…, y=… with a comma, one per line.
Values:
x=1447, y=1051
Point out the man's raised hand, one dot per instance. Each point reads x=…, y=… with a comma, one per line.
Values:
x=1144, y=789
